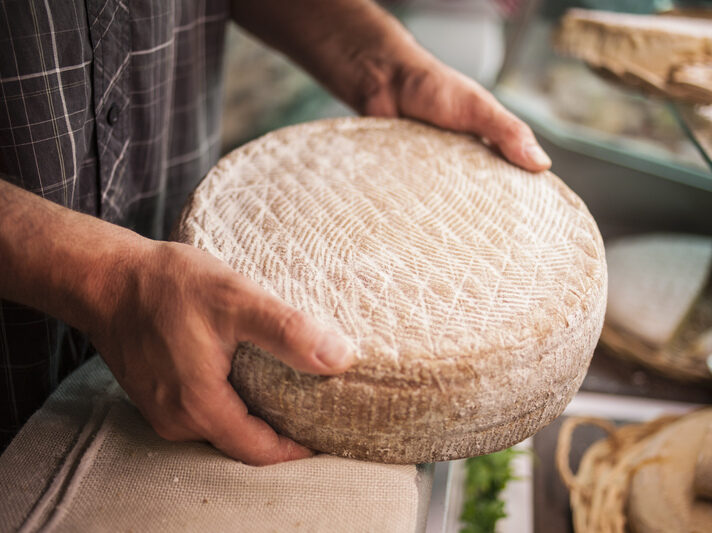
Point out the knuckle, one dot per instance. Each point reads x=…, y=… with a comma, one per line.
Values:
x=481, y=113
x=191, y=408
x=162, y=398
x=231, y=292
x=171, y=415
x=525, y=131
x=291, y=323
x=168, y=254
x=515, y=129
x=167, y=431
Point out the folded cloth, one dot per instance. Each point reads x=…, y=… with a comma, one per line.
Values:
x=88, y=461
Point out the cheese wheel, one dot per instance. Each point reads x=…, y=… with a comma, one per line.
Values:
x=668, y=56
x=473, y=291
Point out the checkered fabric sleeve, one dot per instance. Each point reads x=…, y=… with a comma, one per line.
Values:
x=108, y=107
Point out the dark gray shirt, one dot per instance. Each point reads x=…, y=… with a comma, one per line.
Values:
x=112, y=108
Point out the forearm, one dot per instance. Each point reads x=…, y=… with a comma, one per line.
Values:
x=59, y=261
x=353, y=47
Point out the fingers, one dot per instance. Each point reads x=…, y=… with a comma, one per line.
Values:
x=291, y=335
x=479, y=112
x=240, y=435
x=444, y=97
x=512, y=136
x=214, y=412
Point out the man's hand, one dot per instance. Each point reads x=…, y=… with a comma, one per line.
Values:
x=165, y=317
x=435, y=93
x=366, y=58
x=170, y=336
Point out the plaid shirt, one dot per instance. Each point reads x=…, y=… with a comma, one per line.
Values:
x=112, y=108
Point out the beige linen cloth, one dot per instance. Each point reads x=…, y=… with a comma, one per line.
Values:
x=88, y=461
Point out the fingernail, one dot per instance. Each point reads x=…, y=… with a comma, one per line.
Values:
x=537, y=155
x=334, y=351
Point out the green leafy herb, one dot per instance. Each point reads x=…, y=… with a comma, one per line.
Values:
x=485, y=479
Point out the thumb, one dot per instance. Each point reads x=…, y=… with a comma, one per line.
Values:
x=290, y=335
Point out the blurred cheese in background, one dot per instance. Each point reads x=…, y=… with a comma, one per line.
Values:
x=566, y=101
x=659, y=309
x=668, y=56
x=654, y=283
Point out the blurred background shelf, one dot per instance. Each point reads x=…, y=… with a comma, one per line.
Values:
x=651, y=156
x=571, y=106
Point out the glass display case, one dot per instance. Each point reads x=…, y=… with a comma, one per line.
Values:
x=575, y=108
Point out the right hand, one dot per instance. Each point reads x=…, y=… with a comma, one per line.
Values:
x=172, y=320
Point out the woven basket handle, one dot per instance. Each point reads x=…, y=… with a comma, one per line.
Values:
x=563, y=445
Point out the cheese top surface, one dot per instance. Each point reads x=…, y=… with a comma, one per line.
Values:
x=413, y=242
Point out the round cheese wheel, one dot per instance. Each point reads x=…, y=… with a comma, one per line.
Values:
x=474, y=291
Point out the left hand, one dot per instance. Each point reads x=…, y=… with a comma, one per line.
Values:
x=369, y=60
x=435, y=93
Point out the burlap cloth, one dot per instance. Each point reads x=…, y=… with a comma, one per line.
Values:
x=88, y=461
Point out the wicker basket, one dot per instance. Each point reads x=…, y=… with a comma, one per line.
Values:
x=600, y=490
